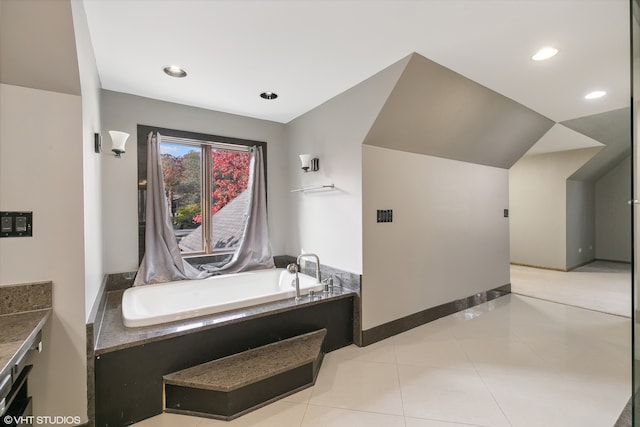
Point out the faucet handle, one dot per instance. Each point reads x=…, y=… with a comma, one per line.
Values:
x=292, y=268
x=328, y=285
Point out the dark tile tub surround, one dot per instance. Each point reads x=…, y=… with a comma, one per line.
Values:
x=111, y=334
x=341, y=280
x=25, y=297
x=115, y=336
x=119, y=281
x=130, y=362
x=106, y=332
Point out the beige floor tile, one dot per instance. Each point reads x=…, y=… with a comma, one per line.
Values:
x=320, y=416
x=358, y=385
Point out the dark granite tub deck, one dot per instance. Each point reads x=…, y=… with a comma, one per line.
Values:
x=126, y=365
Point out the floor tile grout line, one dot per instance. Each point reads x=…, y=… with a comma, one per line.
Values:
x=395, y=358
x=304, y=415
x=488, y=388
x=571, y=305
x=355, y=410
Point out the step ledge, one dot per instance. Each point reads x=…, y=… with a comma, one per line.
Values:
x=241, y=369
x=241, y=413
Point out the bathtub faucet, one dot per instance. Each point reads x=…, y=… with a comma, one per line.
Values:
x=293, y=269
x=317, y=264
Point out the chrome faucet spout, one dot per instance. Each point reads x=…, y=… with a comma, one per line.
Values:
x=293, y=269
x=317, y=264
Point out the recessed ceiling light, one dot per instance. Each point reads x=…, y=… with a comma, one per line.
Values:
x=595, y=94
x=174, y=71
x=545, y=53
x=268, y=95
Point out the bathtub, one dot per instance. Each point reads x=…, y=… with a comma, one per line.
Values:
x=168, y=302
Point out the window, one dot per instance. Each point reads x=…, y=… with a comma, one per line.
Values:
x=206, y=178
x=203, y=174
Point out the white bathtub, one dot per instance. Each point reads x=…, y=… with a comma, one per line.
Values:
x=167, y=302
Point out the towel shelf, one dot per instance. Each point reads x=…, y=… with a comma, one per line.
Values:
x=322, y=187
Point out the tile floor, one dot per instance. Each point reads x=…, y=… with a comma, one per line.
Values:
x=601, y=285
x=515, y=361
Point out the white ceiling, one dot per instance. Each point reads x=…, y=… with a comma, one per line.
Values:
x=309, y=51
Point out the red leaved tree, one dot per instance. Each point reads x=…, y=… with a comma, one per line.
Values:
x=229, y=178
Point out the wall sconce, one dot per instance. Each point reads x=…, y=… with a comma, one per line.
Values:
x=119, y=139
x=309, y=163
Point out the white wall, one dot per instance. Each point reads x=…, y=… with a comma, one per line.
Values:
x=613, y=215
x=91, y=165
x=330, y=223
x=448, y=239
x=581, y=223
x=119, y=176
x=41, y=171
x=538, y=206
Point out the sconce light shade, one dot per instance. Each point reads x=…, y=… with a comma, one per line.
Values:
x=119, y=139
x=305, y=161
x=309, y=163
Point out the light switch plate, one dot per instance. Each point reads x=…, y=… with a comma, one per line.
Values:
x=16, y=224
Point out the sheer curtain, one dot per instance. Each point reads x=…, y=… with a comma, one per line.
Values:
x=254, y=251
x=162, y=261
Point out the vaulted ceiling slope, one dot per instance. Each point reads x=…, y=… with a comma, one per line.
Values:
x=37, y=45
x=613, y=129
x=435, y=111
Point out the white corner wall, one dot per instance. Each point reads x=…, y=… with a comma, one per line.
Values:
x=613, y=215
x=41, y=171
x=538, y=206
x=91, y=166
x=124, y=112
x=448, y=239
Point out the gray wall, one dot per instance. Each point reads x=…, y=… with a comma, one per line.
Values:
x=447, y=213
x=438, y=112
x=613, y=215
x=120, y=200
x=581, y=225
x=538, y=207
x=330, y=223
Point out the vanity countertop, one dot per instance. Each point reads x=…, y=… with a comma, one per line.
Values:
x=17, y=333
x=24, y=310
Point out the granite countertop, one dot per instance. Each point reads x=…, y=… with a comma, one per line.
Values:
x=114, y=335
x=17, y=330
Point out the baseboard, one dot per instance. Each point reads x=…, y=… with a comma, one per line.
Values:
x=538, y=266
x=386, y=330
x=582, y=264
x=613, y=260
x=626, y=416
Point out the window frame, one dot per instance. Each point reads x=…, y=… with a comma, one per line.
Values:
x=210, y=140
